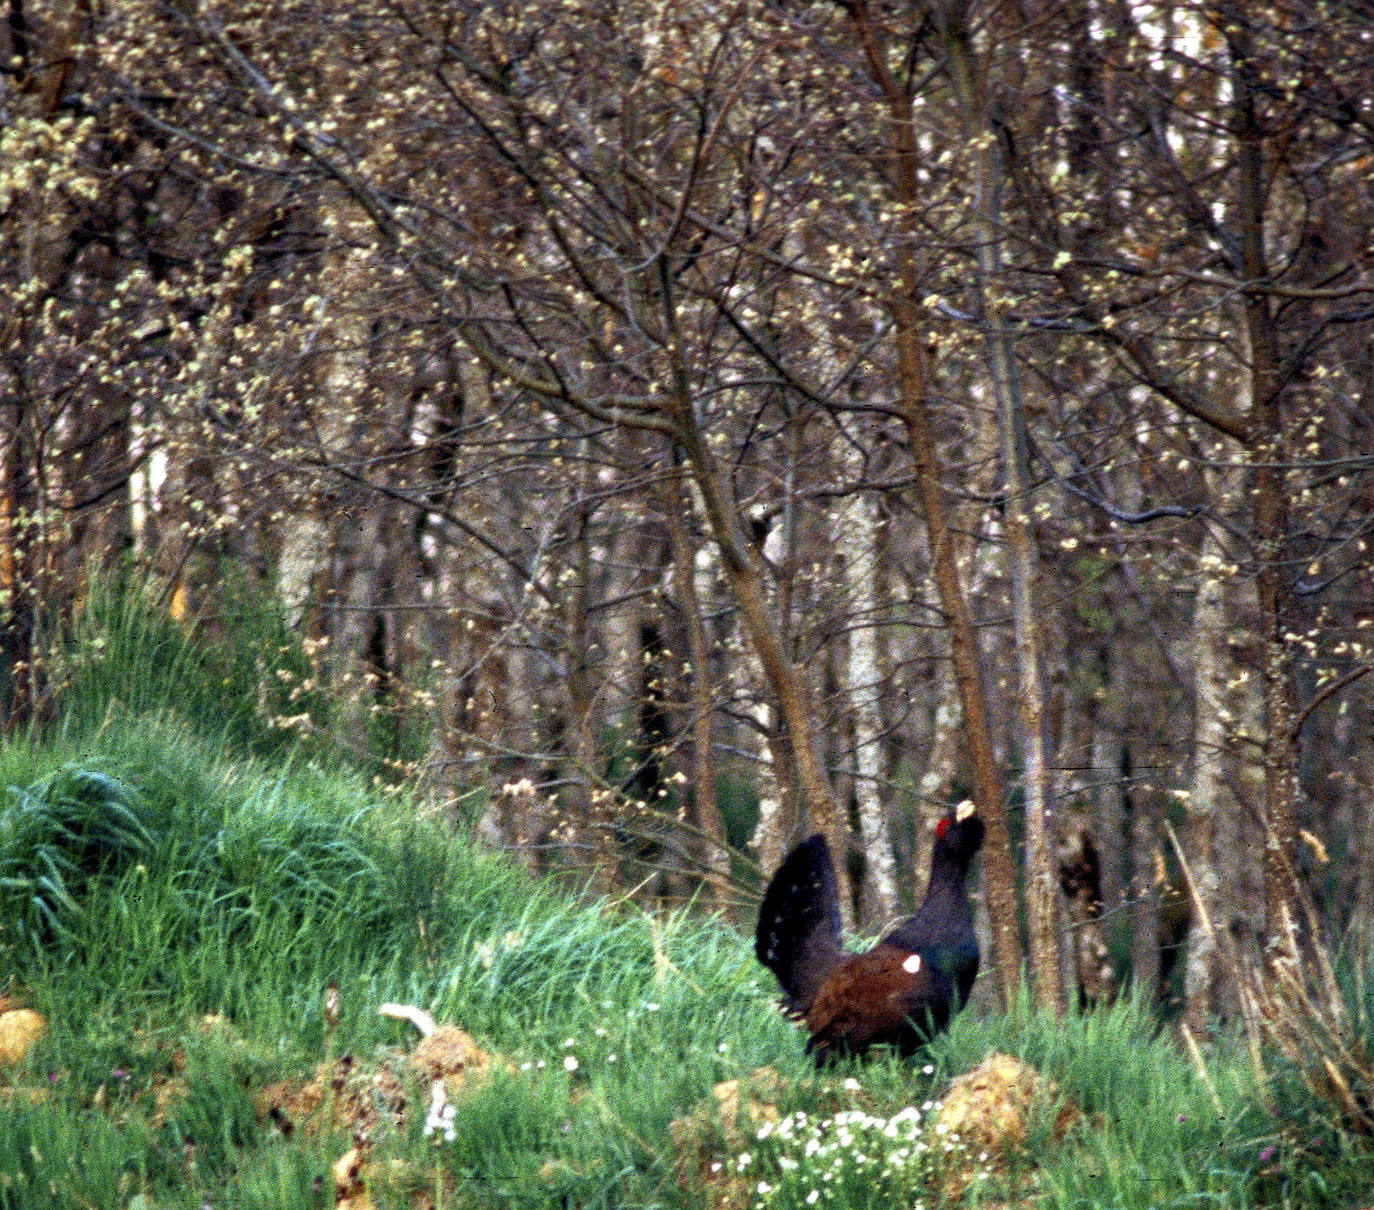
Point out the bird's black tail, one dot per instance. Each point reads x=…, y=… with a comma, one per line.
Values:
x=798, y=936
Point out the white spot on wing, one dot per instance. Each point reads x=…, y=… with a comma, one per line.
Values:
x=912, y=964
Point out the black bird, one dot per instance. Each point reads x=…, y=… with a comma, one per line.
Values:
x=904, y=990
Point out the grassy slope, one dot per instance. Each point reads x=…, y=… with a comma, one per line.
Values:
x=252, y=889
x=152, y=872
x=256, y=886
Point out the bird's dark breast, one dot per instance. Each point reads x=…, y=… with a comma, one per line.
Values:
x=958, y=963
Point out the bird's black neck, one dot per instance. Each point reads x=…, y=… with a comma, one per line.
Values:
x=944, y=916
x=947, y=877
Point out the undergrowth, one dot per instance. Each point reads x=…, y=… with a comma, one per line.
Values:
x=177, y=895
x=233, y=678
x=149, y=882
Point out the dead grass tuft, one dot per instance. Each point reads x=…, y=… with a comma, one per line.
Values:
x=20, y=1030
x=707, y=1139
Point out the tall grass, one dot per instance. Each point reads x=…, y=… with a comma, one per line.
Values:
x=231, y=678
x=164, y=855
x=231, y=886
x=1154, y=1130
x=242, y=892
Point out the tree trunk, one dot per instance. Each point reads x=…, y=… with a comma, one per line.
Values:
x=1147, y=919
x=796, y=742
x=1270, y=518
x=712, y=848
x=1043, y=910
x=36, y=229
x=1089, y=977
x=345, y=325
x=913, y=386
x=1211, y=671
x=857, y=542
x=18, y=579
x=587, y=820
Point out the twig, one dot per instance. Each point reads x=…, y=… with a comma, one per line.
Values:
x=1328, y=691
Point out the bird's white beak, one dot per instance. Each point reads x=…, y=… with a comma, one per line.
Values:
x=964, y=811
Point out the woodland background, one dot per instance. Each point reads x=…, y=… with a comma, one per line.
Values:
x=666, y=428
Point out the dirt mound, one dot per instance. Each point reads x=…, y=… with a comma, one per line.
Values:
x=989, y=1107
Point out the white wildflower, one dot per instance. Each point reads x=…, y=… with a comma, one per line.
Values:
x=441, y=1113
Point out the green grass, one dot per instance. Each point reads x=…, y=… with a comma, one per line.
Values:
x=229, y=677
x=176, y=881
x=162, y=859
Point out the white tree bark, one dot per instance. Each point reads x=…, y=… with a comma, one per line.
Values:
x=1211, y=727
x=857, y=540
x=344, y=323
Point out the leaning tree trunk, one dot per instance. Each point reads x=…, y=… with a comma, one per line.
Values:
x=1043, y=909
x=745, y=573
x=909, y=326
x=710, y=845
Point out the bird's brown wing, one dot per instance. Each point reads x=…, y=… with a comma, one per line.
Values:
x=868, y=998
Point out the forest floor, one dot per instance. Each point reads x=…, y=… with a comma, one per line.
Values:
x=202, y=919
x=176, y=917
